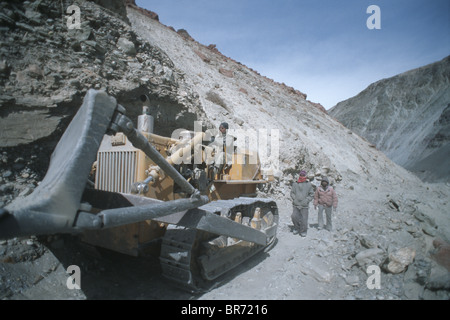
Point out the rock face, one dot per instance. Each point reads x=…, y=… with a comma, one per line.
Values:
x=116, y=7
x=407, y=117
x=46, y=69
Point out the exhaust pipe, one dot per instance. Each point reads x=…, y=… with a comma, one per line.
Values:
x=145, y=121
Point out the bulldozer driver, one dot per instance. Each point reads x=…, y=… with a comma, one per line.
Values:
x=223, y=145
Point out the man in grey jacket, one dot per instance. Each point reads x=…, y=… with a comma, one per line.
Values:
x=302, y=193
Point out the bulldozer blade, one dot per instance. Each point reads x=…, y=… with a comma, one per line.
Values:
x=118, y=209
x=202, y=219
x=53, y=206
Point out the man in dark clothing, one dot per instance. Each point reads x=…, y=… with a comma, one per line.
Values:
x=223, y=143
x=302, y=193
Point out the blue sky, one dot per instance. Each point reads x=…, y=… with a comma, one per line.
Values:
x=322, y=48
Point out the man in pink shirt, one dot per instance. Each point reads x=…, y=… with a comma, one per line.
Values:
x=326, y=198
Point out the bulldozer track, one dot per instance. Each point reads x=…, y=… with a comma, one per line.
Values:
x=191, y=262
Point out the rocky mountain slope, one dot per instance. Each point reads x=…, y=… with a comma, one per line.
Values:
x=384, y=213
x=407, y=117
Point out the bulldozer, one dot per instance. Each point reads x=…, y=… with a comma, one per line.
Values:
x=130, y=190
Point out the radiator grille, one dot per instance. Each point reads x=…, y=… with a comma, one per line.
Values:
x=116, y=170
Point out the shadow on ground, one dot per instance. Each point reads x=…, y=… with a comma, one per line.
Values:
x=108, y=275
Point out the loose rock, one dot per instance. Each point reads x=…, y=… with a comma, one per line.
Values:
x=374, y=256
x=399, y=260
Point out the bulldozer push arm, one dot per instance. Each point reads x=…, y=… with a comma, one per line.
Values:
x=59, y=205
x=55, y=205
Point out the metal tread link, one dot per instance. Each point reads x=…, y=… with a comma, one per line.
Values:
x=178, y=243
x=175, y=257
